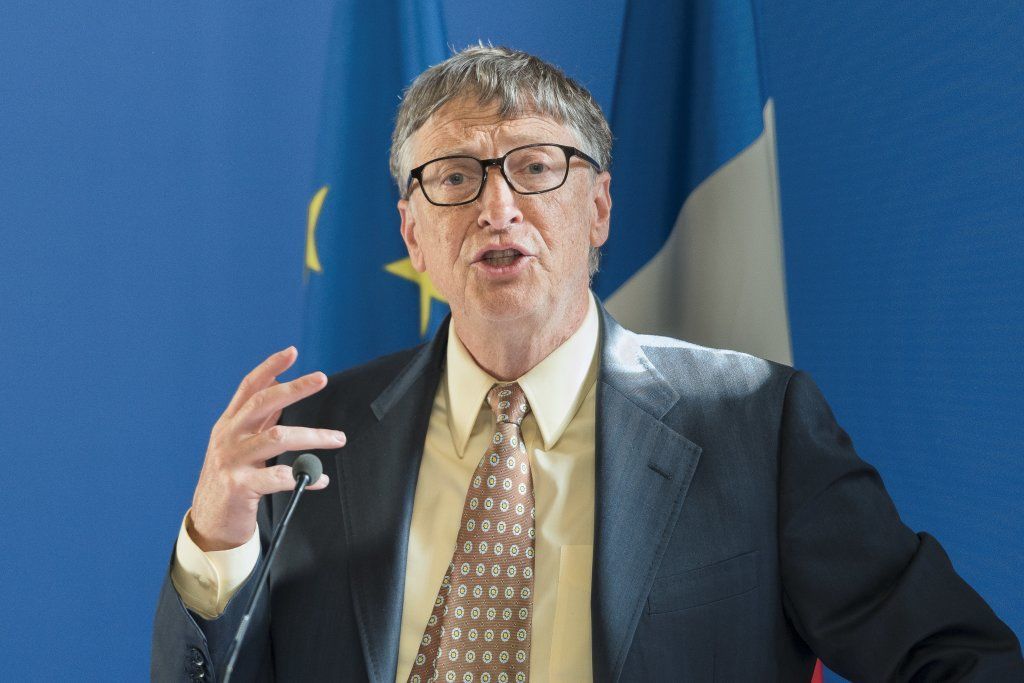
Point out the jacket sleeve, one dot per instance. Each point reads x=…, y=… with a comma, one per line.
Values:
x=187, y=647
x=874, y=600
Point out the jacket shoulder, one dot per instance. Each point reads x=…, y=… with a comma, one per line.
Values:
x=711, y=370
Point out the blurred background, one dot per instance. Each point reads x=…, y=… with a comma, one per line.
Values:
x=157, y=161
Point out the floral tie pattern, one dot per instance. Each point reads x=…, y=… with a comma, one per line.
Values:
x=479, y=629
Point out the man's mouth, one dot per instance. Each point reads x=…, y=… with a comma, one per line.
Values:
x=503, y=257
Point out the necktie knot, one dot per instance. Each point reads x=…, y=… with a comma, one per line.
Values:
x=508, y=403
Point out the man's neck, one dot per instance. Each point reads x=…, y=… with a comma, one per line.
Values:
x=522, y=345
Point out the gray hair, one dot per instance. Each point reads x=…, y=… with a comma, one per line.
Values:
x=519, y=83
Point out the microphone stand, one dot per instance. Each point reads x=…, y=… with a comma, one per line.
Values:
x=303, y=470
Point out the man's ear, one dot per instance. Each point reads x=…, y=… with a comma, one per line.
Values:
x=410, y=235
x=602, y=212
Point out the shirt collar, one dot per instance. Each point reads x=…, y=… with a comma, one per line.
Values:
x=555, y=387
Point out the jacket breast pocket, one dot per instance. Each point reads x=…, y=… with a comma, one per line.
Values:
x=703, y=585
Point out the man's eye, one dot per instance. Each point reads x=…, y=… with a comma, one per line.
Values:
x=536, y=168
x=454, y=179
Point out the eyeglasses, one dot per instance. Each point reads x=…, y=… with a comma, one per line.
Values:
x=530, y=169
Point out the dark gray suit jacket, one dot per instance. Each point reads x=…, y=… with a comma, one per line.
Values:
x=737, y=536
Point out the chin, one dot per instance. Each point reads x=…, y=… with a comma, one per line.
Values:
x=503, y=303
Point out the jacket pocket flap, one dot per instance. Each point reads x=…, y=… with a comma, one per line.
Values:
x=702, y=585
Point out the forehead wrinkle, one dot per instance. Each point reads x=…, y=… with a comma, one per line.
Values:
x=461, y=129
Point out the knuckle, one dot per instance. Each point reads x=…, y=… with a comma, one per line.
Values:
x=247, y=382
x=276, y=434
x=221, y=427
x=216, y=435
x=258, y=400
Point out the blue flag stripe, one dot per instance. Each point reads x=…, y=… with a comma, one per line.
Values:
x=688, y=99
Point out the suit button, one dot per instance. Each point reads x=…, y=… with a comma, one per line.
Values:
x=195, y=664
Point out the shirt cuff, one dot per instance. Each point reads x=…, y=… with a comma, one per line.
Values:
x=207, y=580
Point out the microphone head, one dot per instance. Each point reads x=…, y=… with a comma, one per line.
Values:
x=307, y=464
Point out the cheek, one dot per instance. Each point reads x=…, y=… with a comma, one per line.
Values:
x=442, y=251
x=569, y=232
x=451, y=245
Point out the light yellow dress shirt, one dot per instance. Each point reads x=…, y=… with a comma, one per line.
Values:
x=559, y=435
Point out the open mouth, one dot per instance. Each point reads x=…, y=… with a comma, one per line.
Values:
x=503, y=257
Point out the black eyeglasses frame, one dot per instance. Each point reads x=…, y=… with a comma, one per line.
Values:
x=570, y=152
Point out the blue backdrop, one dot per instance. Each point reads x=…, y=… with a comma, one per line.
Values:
x=155, y=166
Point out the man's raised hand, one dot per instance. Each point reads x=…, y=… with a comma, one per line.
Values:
x=235, y=474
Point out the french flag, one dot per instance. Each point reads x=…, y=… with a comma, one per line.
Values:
x=696, y=247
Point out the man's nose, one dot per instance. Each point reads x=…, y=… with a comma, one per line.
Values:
x=498, y=207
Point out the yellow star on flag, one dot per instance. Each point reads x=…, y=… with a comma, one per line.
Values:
x=315, y=204
x=403, y=269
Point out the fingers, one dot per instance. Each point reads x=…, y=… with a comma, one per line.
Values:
x=279, y=478
x=271, y=420
x=261, y=377
x=281, y=439
x=319, y=484
x=257, y=410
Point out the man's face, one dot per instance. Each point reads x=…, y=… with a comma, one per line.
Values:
x=551, y=232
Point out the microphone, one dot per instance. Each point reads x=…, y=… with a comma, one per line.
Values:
x=306, y=469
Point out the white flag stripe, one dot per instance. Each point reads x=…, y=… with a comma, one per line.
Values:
x=719, y=280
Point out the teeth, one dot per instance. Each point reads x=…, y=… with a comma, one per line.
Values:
x=503, y=254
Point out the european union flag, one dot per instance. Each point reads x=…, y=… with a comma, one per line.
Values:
x=362, y=296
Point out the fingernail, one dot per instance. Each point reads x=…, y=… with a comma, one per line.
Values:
x=340, y=437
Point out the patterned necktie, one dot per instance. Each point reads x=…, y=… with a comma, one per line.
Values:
x=479, y=629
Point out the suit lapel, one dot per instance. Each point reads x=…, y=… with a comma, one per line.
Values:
x=378, y=482
x=643, y=471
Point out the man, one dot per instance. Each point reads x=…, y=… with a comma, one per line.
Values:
x=538, y=493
